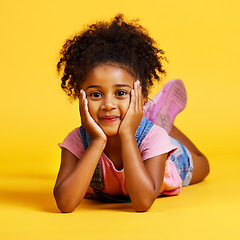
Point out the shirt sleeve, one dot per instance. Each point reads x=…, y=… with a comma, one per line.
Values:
x=73, y=143
x=155, y=143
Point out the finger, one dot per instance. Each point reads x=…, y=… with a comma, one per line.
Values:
x=133, y=99
x=141, y=100
x=138, y=96
x=81, y=98
x=86, y=110
x=84, y=105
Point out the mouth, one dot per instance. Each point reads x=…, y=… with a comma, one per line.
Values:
x=109, y=118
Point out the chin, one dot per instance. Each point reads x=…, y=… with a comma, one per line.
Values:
x=111, y=132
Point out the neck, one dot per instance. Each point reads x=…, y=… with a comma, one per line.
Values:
x=113, y=151
x=113, y=142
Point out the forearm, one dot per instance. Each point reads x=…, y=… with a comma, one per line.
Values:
x=72, y=189
x=139, y=183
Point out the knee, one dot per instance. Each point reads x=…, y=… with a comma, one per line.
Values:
x=206, y=167
x=201, y=168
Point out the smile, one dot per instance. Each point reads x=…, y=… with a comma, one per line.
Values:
x=109, y=118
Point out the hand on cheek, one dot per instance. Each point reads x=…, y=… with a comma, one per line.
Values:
x=87, y=121
x=134, y=114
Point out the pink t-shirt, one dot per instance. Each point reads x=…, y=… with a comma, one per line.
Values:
x=155, y=143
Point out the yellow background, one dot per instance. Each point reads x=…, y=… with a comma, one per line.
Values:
x=201, y=40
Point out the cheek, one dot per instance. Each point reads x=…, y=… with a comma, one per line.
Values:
x=124, y=107
x=92, y=108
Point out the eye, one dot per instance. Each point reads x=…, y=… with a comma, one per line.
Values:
x=121, y=93
x=95, y=95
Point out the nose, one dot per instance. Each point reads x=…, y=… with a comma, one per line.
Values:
x=109, y=103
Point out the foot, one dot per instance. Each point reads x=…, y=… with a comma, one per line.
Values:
x=166, y=104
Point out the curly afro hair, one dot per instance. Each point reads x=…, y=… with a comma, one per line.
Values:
x=124, y=44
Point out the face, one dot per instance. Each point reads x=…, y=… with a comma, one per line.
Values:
x=108, y=91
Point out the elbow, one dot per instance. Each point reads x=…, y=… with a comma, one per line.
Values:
x=64, y=208
x=63, y=205
x=205, y=167
x=143, y=202
x=142, y=206
x=141, y=209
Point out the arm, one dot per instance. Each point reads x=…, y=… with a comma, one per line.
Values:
x=143, y=179
x=75, y=174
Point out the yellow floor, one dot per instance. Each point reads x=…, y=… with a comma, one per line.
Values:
x=209, y=210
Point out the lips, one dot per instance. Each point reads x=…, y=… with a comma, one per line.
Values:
x=109, y=118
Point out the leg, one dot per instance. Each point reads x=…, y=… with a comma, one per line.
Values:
x=200, y=162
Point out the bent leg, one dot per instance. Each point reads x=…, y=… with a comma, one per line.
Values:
x=200, y=163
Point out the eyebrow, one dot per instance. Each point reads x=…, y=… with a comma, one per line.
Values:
x=93, y=86
x=117, y=85
x=123, y=85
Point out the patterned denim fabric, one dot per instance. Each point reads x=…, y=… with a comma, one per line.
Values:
x=86, y=139
x=182, y=159
x=142, y=130
x=97, y=178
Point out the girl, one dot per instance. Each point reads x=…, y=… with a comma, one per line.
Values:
x=117, y=154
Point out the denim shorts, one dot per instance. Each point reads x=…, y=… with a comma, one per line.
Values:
x=182, y=159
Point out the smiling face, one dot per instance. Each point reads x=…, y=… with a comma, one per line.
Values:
x=108, y=90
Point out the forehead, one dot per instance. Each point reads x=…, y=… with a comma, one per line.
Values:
x=110, y=75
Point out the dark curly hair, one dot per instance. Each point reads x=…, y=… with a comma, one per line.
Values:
x=125, y=44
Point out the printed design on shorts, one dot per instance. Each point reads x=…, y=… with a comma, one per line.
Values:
x=180, y=159
x=178, y=152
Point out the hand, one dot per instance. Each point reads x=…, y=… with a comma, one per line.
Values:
x=87, y=121
x=134, y=113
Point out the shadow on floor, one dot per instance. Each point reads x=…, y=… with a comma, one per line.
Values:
x=36, y=193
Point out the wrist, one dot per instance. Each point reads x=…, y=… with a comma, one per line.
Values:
x=98, y=143
x=127, y=136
